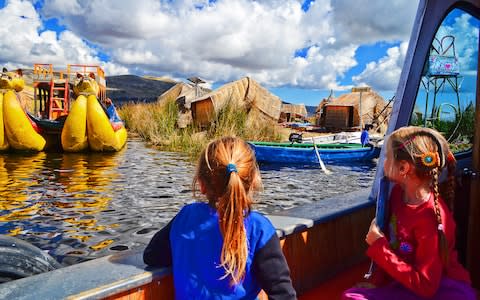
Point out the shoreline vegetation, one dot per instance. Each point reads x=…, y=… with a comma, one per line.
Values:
x=156, y=123
x=458, y=131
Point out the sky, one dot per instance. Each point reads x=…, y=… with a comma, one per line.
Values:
x=299, y=50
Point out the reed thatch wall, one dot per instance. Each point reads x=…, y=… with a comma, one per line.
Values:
x=290, y=112
x=245, y=93
x=348, y=110
x=183, y=90
x=184, y=94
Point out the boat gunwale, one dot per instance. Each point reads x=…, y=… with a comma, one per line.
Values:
x=287, y=145
x=117, y=273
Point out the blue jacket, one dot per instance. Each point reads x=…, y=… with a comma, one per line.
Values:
x=195, y=243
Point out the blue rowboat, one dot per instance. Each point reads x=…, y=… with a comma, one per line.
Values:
x=304, y=153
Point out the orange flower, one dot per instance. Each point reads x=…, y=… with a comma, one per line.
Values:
x=430, y=159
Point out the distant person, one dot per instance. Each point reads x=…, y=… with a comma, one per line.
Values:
x=415, y=257
x=365, y=136
x=222, y=249
x=112, y=111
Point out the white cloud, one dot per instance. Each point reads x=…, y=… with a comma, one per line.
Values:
x=218, y=41
x=113, y=69
x=24, y=43
x=466, y=41
x=370, y=21
x=384, y=74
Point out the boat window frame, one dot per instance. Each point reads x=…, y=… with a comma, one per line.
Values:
x=424, y=29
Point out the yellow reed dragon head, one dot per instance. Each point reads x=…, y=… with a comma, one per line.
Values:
x=11, y=80
x=85, y=85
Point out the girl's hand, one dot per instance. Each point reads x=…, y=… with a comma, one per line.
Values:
x=373, y=233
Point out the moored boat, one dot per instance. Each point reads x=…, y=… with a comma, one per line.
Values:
x=306, y=153
x=61, y=112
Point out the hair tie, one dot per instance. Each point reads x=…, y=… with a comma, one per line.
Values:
x=407, y=142
x=231, y=168
x=450, y=157
x=440, y=227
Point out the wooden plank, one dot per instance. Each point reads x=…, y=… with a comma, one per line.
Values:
x=328, y=248
x=157, y=289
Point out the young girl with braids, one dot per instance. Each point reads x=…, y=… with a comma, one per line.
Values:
x=222, y=249
x=415, y=258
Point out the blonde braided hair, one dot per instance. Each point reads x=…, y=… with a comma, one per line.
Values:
x=427, y=150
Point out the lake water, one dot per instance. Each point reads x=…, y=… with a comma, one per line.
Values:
x=80, y=206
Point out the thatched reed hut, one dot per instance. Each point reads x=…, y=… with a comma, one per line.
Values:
x=292, y=112
x=245, y=93
x=353, y=110
x=183, y=90
x=184, y=94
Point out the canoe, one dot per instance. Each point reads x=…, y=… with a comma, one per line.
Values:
x=334, y=138
x=304, y=153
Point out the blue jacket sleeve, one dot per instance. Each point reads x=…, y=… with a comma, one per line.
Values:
x=158, y=252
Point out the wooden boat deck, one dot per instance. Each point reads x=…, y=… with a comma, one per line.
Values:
x=334, y=287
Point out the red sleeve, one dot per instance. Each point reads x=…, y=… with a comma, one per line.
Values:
x=423, y=276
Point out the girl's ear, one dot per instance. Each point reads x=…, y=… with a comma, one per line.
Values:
x=404, y=168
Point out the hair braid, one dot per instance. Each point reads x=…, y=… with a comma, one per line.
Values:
x=441, y=233
x=450, y=185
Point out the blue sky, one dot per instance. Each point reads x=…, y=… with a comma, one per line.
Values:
x=299, y=50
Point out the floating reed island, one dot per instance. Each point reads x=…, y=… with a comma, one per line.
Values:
x=158, y=124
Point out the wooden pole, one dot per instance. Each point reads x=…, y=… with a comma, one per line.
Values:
x=473, y=243
x=360, y=90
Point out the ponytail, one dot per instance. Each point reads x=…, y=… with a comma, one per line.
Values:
x=231, y=211
x=229, y=173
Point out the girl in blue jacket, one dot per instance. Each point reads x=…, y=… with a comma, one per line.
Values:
x=222, y=249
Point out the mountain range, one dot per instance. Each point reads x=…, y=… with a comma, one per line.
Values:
x=132, y=88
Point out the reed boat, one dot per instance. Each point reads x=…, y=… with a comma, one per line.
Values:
x=67, y=113
x=324, y=241
x=308, y=153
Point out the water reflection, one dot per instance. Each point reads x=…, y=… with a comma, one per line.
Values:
x=80, y=206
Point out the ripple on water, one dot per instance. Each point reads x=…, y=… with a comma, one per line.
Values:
x=80, y=206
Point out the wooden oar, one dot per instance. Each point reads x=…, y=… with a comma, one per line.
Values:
x=320, y=161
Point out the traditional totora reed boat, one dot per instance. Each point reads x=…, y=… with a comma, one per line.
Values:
x=66, y=115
